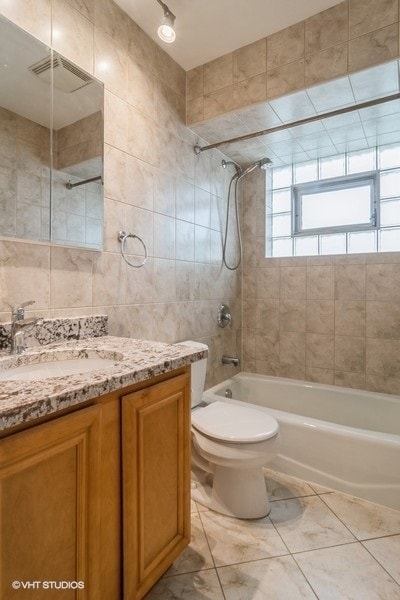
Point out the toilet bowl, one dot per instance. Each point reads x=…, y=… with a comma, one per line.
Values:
x=230, y=445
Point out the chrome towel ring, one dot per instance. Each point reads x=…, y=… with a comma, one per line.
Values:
x=122, y=237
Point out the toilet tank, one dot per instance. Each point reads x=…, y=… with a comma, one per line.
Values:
x=198, y=372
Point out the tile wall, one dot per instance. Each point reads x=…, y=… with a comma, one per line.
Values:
x=350, y=36
x=327, y=319
x=154, y=186
x=24, y=177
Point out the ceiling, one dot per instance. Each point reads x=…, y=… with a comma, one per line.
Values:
x=208, y=29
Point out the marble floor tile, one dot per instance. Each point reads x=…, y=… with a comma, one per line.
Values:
x=347, y=573
x=273, y=578
x=387, y=552
x=364, y=519
x=307, y=523
x=319, y=489
x=281, y=486
x=234, y=540
x=197, y=555
x=193, y=586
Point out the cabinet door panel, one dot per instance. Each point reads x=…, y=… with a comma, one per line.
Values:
x=49, y=507
x=156, y=472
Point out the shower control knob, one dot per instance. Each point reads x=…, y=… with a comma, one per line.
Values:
x=224, y=316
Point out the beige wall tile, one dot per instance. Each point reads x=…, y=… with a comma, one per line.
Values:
x=383, y=384
x=292, y=371
x=350, y=282
x=250, y=91
x=195, y=110
x=169, y=72
x=327, y=28
x=383, y=320
x=110, y=64
x=350, y=317
x=326, y=64
x=383, y=282
x=320, y=282
x=367, y=15
x=266, y=315
x=250, y=60
x=140, y=87
x=71, y=278
x=268, y=283
x=350, y=353
x=267, y=346
x=195, y=83
x=86, y=7
x=24, y=275
x=73, y=35
x=293, y=282
x=285, y=46
x=318, y=375
x=320, y=316
x=218, y=73
x=218, y=103
x=292, y=348
x=350, y=380
x=33, y=16
x=141, y=47
x=285, y=79
x=383, y=357
x=373, y=48
x=292, y=315
x=320, y=350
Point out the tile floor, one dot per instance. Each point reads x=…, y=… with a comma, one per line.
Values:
x=315, y=543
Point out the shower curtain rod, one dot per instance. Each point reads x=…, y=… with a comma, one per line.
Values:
x=248, y=136
x=84, y=181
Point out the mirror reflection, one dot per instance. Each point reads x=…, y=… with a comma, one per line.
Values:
x=51, y=145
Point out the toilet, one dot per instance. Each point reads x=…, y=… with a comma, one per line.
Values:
x=230, y=445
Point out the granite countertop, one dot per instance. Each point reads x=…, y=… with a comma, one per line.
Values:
x=133, y=361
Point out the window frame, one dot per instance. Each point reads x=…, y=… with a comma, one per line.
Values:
x=332, y=184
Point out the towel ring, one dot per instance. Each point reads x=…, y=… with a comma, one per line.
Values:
x=122, y=237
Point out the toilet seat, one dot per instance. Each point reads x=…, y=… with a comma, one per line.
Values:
x=235, y=424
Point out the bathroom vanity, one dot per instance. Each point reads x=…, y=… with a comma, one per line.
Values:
x=95, y=473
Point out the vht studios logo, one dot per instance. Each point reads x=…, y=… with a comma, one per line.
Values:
x=48, y=585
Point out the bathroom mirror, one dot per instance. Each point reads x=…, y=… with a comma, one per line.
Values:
x=51, y=145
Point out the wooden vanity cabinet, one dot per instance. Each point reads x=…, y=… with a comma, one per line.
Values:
x=79, y=502
x=156, y=481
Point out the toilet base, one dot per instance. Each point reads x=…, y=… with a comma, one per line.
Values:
x=239, y=493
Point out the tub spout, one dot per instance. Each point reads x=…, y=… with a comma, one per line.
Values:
x=230, y=360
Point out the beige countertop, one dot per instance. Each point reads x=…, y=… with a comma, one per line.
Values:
x=133, y=361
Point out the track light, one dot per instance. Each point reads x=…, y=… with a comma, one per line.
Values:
x=166, y=31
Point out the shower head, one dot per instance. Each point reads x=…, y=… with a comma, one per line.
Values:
x=225, y=164
x=263, y=163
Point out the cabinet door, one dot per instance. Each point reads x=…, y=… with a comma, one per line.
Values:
x=50, y=510
x=156, y=481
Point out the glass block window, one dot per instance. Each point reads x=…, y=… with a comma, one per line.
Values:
x=348, y=203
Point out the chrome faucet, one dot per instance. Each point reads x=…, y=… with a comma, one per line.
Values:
x=18, y=324
x=230, y=360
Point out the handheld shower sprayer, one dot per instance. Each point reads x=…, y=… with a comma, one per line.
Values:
x=263, y=163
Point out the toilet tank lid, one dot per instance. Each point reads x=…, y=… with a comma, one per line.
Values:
x=232, y=423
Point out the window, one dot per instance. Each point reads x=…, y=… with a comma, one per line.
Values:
x=347, y=203
x=340, y=204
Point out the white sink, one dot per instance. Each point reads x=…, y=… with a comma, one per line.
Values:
x=55, y=364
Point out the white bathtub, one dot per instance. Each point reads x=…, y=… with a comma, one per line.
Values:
x=348, y=440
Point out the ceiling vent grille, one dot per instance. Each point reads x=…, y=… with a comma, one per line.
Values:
x=66, y=76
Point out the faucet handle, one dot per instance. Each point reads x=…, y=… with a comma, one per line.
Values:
x=18, y=312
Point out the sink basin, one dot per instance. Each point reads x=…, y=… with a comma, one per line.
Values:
x=45, y=365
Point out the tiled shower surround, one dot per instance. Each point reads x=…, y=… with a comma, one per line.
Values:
x=332, y=319
x=327, y=319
